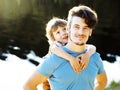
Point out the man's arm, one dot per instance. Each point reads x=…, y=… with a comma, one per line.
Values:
x=101, y=81
x=34, y=80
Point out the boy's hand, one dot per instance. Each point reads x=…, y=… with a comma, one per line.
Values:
x=76, y=65
x=84, y=60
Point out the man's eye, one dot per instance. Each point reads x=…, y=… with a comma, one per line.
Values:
x=85, y=28
x=77, y=27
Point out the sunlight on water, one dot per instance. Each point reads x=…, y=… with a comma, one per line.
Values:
x=14, y=71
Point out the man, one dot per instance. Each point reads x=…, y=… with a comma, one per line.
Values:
x=57, y=36
x=81, y=22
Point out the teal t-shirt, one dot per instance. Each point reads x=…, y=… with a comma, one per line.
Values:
x=62, y=76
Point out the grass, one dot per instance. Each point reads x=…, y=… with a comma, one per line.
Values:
x=114, y=86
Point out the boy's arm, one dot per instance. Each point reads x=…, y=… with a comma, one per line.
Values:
x=91, y=49
x=61, y=53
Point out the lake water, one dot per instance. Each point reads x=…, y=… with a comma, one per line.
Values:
x=15, y=71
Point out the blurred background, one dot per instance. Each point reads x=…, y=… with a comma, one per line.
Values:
x=22, y=26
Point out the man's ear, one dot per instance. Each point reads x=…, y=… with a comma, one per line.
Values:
x=90, y=32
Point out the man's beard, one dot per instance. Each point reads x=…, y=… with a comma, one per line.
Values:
x=80, y=44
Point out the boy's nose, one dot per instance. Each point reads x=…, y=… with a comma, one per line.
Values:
x=63, y=33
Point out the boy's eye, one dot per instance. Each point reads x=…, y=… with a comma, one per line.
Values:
x=57, y=32
x=64, y=29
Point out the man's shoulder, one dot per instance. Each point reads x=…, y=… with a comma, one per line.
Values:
x=53, y=58
x=96, y=56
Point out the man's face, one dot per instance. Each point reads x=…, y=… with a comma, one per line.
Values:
x=61, y=35
x=79, y=31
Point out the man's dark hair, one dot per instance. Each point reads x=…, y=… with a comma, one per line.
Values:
x=84, y=12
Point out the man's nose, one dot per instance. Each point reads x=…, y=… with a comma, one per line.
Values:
x=80, y=31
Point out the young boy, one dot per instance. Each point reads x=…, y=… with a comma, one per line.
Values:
x=57, y=37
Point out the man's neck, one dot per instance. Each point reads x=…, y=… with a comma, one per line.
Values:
x=74, y=47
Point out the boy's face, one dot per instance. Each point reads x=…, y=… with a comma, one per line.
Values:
x=61, y=35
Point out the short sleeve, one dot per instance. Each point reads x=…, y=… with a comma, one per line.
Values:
x=99, y=63
x=48, y=65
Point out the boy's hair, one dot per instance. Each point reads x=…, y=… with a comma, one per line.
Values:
x=84, y=12
x=52, y=26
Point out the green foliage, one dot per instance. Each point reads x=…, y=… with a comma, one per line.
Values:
x=114, y=86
